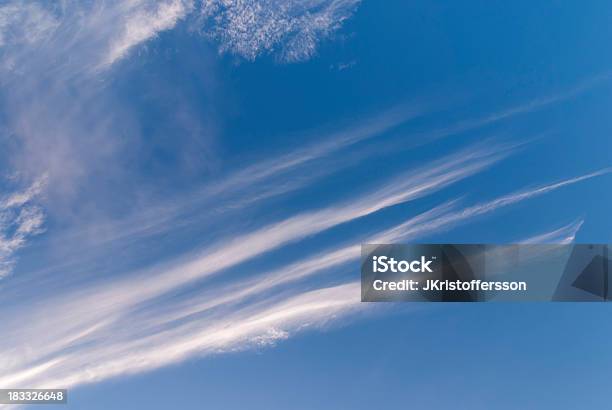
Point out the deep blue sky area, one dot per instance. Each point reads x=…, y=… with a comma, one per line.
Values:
x=151, y=159
x=530, y=356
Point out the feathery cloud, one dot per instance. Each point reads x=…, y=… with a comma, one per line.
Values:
x=289, y=28
x=131, y=323
x=25, y=23
x=143, y=21
x=563, y=235
x=97, y=34
x=20, y=219
x=482, y=208
x=82, y=342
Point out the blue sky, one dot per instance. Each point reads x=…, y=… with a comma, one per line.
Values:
x=184, y=186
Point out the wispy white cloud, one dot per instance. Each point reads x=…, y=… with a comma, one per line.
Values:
x=524, y=108
x=290, y=28
x=60, y=52
x=20, y=219
x=86, y=37
x=20, y=198
x=93, y=34
x=269, y=178
x=454, y=217
x=293, y=29
x=75, y=347
x=253, y=326
x=24, y=23
x=438, y=219
x=142, y=21
x=232, y=192
x=238, y=249
x=563, y=235
x=251, y=184
x=288, y=274
x=127, y=324
x=90, y=307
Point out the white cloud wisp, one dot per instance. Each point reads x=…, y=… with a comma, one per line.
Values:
x=96, y=347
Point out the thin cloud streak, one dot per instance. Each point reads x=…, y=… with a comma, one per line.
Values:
x=71, y=313
x=142, y=24
x=562, y=236
x=250, y=184
x=20, y=219
x=517, y=110
x=294, y=272
x=98, y=34
x=249, y=327
x=236, y=250
x=21, y=198
x=256, y=182
x=435, y=220
x=111, y=329
x=171, y=333
x=501, y=202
